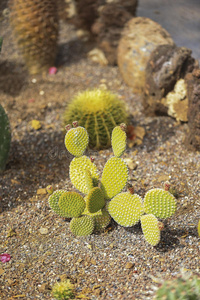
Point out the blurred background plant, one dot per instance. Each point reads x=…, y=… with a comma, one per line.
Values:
x=35, y=27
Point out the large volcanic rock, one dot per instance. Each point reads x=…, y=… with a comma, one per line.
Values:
x=193, y=90
x=139, y=38
x=164, y=92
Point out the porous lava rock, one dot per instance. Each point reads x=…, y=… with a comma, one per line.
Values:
x=164, y=92
x=139, y=38
x=192, y=139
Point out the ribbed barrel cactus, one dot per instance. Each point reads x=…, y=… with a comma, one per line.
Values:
x=35, y=27
x=98, y=111
x=105, y=198
x=5, y=138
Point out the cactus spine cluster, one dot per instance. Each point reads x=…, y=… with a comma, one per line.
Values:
x=106, y=199
x=179, y=289
x=5, y=138
x=98, y=111
x=35, y=27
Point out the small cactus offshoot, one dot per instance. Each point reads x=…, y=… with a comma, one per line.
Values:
x=118, y=140
x=76, y=141
x=151, y=229
x=105, y=199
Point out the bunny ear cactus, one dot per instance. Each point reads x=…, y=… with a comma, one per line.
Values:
x=114, y=177
x=160, y=203
x=53, y=202
x=101, y=218
x=5, y=138
x=82, y=226
x=76, y=141
x=66, y=204
x=77, y=169
x=89, y=180
x=118, y=140
x=95, y=200
x=72, y=204
x=126, y=209
x=151, y=229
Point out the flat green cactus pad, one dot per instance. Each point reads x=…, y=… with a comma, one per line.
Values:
x=82, y=226
x=76, y=140
x=53, y=203
x=77, y=169
x=72, y=204
x=114, y=177
x=159, y=202
x=126, y=209
x=118, y=141
x=198, y=228
x=150, y=229
x=88, y=179
x=95, y=200
x=101, y=218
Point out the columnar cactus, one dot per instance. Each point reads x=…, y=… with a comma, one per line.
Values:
x=107, y=199
x=35, y=27
x=5, y=138
x=99, y=111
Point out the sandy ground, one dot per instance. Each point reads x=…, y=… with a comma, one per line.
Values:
x=115, y=264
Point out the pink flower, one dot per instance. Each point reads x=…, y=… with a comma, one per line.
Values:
x=52, y=70
x=5, y=257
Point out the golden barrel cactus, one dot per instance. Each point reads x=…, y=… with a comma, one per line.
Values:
x=35, y=27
